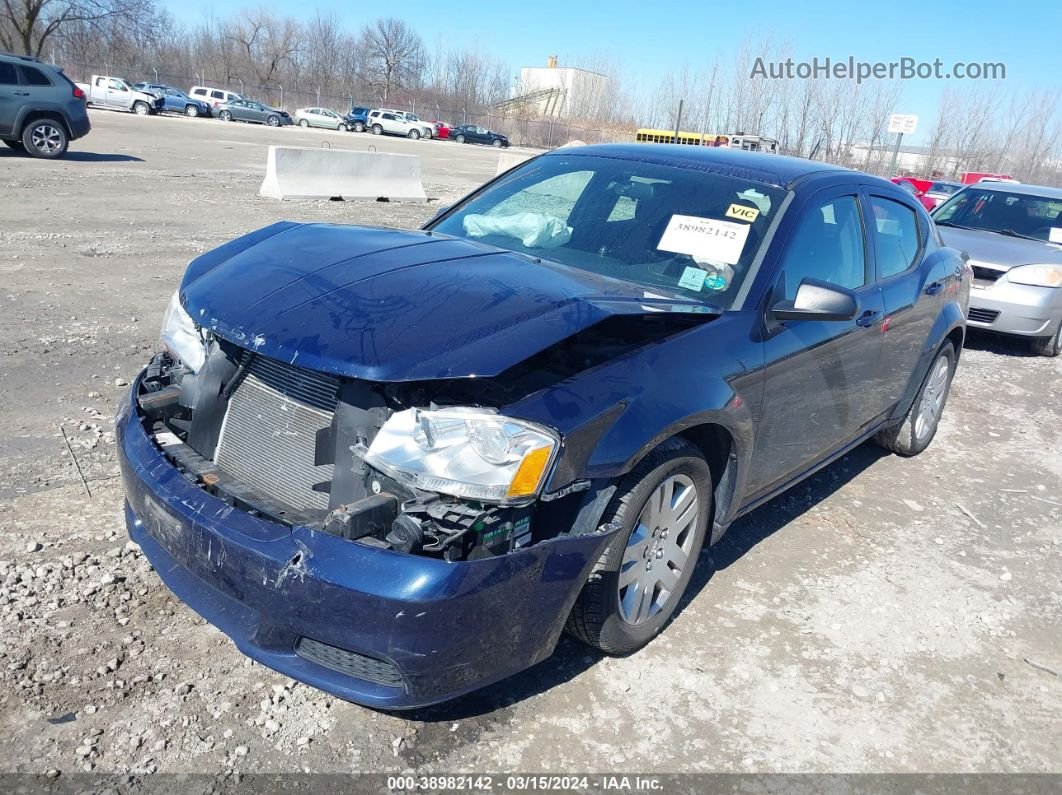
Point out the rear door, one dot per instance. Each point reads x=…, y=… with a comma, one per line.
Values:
x=12, y=96
x=819, y=376
x=910, y=273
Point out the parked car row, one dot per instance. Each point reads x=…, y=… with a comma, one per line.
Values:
x=390, y=121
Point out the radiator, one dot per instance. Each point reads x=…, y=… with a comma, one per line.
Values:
x=270, y=429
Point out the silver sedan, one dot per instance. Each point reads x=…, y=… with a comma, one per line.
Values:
x=1013, y=236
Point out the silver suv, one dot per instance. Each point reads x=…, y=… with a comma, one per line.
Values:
x=41, y=110
x=395, y=122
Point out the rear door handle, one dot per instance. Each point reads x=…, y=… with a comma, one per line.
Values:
x=868, y=318
x=20, y=93
x=934, y=288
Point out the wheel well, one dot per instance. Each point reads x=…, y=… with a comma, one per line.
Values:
x=35, y=115
x=716, y=444
x=955, y=336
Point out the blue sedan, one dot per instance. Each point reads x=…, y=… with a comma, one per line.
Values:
x=175, y=101
x=397, y=465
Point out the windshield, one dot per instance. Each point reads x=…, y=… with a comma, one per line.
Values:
x=1036, y=217
x=687, y=233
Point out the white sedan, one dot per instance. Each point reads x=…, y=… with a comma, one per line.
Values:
x=320, y=117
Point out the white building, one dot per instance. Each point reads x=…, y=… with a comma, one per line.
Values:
x=561, y=91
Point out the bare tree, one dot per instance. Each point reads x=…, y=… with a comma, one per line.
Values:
x=393, y=56
x=27, y=26
x=266, y=41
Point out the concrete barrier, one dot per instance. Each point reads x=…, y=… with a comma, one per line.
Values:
x=507, y=160
x=294, y=173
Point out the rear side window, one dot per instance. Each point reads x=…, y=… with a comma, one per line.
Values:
x=896, y=237
x=34, y=76
x=217, y=94
x=8, y=75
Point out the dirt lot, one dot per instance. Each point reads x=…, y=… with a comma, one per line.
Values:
x=888, y=615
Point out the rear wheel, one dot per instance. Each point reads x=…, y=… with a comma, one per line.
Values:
x=191, y=111
x=141, y=108
x=45, y=138
x=662, y=507
x=414, y=134
x=225, y=116
x=303, y=123
x=1049, y=346
x=377, y=129
x=918, y=427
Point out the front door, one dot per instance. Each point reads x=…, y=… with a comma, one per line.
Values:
x=818, y=375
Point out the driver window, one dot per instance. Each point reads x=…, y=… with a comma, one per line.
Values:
x=828, y=244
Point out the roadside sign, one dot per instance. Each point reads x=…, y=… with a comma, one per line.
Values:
x=902, y=123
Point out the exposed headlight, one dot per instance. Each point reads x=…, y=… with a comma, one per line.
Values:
x=1036, y=275
x=465, y=452
x=181, y=336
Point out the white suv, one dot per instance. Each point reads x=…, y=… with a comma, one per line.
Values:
x=395, y=122
x=214, y=97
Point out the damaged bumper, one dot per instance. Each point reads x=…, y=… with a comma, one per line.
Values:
x=369, y=625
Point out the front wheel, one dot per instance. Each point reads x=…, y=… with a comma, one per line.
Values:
x=413, y=135
x=141, y=108
x=496, y=143
x=191, y=111
x=273, y=121
x=460, y=139
x=1049, y=346
x=662, y=507
x=225, y=116
x=377, y=129
x=45, y=138
x=918, y=427
x=359, y=127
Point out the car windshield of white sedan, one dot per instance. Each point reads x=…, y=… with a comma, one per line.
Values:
x=1013, y=214
x=679, y=231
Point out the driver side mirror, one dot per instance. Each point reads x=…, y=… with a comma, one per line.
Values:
x=817, y=300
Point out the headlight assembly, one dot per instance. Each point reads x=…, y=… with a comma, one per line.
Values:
x=1036, y=275
x=181, y=336
x=465, y=452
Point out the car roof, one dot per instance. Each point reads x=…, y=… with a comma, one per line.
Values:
x=778, y=170
x=1021, y=188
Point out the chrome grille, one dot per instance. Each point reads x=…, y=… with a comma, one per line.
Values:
x=269, y=434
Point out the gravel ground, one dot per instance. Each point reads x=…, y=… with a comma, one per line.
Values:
x=888, y=615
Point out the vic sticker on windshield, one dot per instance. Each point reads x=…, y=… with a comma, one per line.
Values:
x=705, y=239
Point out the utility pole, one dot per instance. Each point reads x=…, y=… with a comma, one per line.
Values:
x=678, y=121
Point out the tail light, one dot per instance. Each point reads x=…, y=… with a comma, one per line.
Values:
x=78, y=93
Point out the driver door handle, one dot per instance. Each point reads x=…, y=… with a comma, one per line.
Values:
x=934, y=288
x=868, y=318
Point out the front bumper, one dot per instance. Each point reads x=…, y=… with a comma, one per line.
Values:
x=1018, y=309
x=443, y=629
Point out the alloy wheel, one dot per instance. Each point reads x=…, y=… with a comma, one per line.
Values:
x=933, y=395
x=658, y=550
x=47, y=139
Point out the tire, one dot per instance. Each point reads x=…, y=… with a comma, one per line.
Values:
x=460, y=139
x=1048, y=346
x=303, y=123
x=341, y=126
x=377, y=129
x=916, y=430
x=273, y=121
x=621, y=624
x=496, y=143
x=45, y=138
x=414, y=135
x=191, y=111
x=16, y=145
x=225, y=115
x=141, y=108
x=359, y=127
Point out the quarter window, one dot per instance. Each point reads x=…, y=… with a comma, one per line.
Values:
x=34, y=76
x=828, y=245
x=896, y=239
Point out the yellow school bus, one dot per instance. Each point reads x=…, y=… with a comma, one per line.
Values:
x=750, y=143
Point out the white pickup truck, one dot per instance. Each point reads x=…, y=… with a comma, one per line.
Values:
x=116, y=92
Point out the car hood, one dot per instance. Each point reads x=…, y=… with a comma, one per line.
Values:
x=391, y=305
x=1001, y=251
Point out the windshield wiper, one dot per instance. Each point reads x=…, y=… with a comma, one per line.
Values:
x=1012, y=233
x=953, y=224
